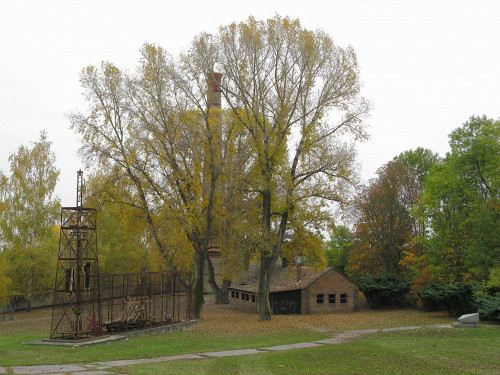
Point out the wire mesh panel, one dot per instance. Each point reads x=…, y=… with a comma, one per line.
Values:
x=76, y=310
x=137, y=300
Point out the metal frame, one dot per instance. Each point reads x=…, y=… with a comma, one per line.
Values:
x=127, y=300
x=76, y=311
x=137, y=300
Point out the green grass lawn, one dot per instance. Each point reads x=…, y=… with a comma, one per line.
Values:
x=436, y=351
x=223, y=329
x=13, y=352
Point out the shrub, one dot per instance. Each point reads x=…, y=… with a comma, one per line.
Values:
x=457, y=298
x=489, y=306
x=433, y=296
x=385, y=289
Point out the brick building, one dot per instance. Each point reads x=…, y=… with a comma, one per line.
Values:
x=297, y=291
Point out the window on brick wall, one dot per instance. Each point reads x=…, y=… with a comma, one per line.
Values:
x=320, y=298
x=332, y=298
x=247, y=297
x=236, y=295
x=232, y=293
x=343, y=298
x=242, y=296
x=253, y=297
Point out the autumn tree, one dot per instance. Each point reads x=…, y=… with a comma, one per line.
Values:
x=383, y=228
x=415, y=260
x=29, y=217
x=5, y=280
x=124, y=240
x=284, y=83
x=292, y=94
x=160, y=130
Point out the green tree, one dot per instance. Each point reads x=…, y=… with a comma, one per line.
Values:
x=390, y=228
x=339, y=248
x=282, y=81
x=418, y=161
x=5, y=280
x=461, y=198
x=29, y=218
x=307, y=247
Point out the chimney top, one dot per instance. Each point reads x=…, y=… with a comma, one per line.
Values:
x=215, y=90
x=215, y=82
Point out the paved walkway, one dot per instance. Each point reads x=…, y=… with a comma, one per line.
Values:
x=100, y=368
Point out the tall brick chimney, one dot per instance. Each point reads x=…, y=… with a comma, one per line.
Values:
x=298, y=268
x=215, y=92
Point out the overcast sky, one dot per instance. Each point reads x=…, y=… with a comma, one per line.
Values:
x=426, y=66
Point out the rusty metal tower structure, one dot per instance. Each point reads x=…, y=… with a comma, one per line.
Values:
x=76, y=311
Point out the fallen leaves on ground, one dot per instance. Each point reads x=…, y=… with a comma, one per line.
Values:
x=222, y=319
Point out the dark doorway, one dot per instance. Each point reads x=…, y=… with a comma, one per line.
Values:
x=285, y=302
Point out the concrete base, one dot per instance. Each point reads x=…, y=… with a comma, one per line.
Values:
x=120, y=336
x=78, y=343
x=159, y=330
x=464, y=325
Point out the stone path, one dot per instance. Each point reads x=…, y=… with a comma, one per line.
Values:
x=100, y=368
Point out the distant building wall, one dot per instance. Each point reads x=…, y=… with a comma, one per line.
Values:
x=244, y=301
x=19, y=303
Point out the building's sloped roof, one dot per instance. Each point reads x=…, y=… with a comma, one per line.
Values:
x=283, y=279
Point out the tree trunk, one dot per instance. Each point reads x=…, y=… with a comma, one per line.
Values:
x=30, y=290
x=221, y=293
x=267, y=264
x=198, y=283
x=264, y=283
x=222, y=297
x=265, y=259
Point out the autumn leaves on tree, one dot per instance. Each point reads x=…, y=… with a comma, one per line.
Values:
x=276, y=151
x=29, y=214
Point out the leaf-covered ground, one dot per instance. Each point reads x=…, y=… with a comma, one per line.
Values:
x=217, y=318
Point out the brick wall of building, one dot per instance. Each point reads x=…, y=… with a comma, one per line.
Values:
x=338, y=295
